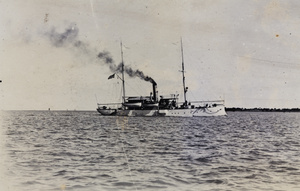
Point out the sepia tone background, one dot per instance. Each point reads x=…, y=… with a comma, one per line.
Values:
x=246, y=52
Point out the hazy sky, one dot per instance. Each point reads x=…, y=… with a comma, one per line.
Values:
x=246, y=52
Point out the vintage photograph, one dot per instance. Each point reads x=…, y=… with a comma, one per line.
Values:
x=134, y=95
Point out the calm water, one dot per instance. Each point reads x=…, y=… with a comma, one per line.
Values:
x=43, y=150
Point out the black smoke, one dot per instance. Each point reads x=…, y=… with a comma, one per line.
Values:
x=107, y=58
x=70, y=38
x=138, y=73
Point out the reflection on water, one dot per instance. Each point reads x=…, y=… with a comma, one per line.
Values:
x=48, y=150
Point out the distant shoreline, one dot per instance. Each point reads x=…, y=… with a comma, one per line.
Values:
x=262, y=109
x=232, y=109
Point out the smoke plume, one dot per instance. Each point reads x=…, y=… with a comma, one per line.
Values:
x=106, y=58
x=138, y=73
x=67, y=37
x=70, y=38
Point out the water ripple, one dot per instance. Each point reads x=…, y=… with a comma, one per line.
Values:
x=84, y=151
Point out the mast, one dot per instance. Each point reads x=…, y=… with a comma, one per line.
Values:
x=183, y=77
x=123, y=80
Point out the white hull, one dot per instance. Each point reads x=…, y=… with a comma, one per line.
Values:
x=189, y=112
x=197, y=112
x=138, y=113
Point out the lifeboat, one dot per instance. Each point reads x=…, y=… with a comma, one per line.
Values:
x=137, y=104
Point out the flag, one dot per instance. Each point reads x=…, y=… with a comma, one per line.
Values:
x=111, y=76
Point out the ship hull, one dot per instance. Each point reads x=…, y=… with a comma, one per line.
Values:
x=138, y=113
x=197, y=112
x=188, y=112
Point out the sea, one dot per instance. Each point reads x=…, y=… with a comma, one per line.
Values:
x=84, y=151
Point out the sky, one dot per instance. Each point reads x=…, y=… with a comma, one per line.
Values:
x=59, y=54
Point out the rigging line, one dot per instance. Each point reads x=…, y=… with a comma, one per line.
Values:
x=120, y=97
x=136, y=88
x=133, y=89
x=141, y=90
x=116, y=96
x=146, y=87
x=191, y=93
x=111, y=92
x=270, y=61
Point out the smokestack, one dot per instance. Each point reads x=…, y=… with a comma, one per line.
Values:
x=154, y=85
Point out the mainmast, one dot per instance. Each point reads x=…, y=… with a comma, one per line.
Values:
x=183, y=77
x=123, y=80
